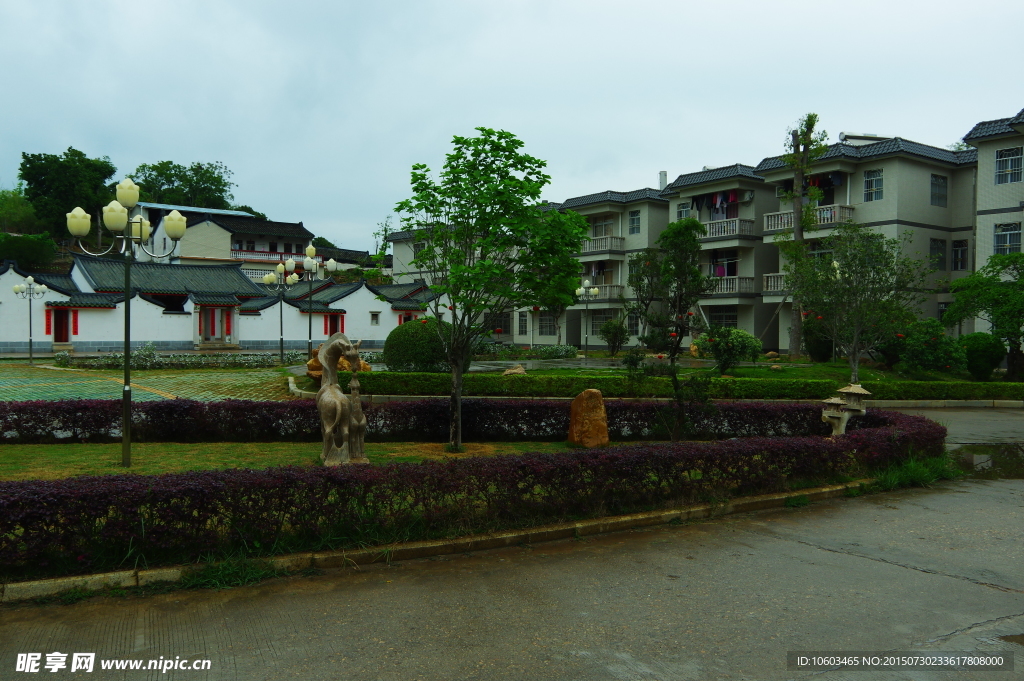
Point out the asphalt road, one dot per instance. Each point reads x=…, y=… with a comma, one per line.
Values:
x=926, y=570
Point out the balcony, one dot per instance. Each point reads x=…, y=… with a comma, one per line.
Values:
x=824, y=215
x=604, y=243
x=732, y=227
x=608, y=292
x=727, y=285
x=774, y=283
x=271, y=257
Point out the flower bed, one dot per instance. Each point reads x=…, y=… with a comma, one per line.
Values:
x=99, y=523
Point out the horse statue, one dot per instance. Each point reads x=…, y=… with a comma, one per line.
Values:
x=342, y=422
x=357, y=420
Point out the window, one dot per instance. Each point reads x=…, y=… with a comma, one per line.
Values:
x=601, y=226
x=498, y=320
x=682, y=210
x=873, y=185
x=250, y=245
x=287, y=247
x=724, y=263
x=237, y=245
x=942, y=310
x=723, y=315
x=937, y=253
x=375, y=319
x=634, y=222
x=522, y=324
x=1008, y=238
x=546, y=325
x=273, y=247
x=633, y=324
x=598, y=318
x=959, y=255
x=417, y=247
x=939, y=190
x=1008, y=165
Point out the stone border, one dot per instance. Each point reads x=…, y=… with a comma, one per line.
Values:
x=878, y=404
x=18, y=591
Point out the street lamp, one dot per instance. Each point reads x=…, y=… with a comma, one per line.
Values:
x=586, y=294
x=311, y=269
x=30, y=290
x=280, y=284
x=115, y=218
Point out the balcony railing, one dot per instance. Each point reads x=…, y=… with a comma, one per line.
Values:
x=824, y=215
x=733, y=285
x=273, y=257
x=604, y=243
x=732, y=227
x=775, y=282
x=607, y=291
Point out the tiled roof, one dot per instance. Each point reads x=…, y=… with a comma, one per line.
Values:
x=313, y=306
x=193, y=209
x=61, y=283
x=345, y=255
x=714, y=175
x=107, y=275
x=239, y=225
x=404, y=296
x=887, y=147
x=1000, y=126
x=201, y=298
x=612, y=197
x=257, y=304
x=97, y=300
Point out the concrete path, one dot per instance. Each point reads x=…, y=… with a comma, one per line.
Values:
x=977, y=425
x=925, y=570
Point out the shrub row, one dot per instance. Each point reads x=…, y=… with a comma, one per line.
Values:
x=98, y=523
x=942, y=390
x=146, y=357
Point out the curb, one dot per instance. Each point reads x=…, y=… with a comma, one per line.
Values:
x=878, y=404
x=17, y=591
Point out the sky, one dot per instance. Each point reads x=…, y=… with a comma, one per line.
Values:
x=320, y=108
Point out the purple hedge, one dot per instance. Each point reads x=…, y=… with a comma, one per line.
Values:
x=45, y=422
x=97, y=523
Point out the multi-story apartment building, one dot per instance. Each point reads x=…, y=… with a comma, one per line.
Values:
x=1000, y=185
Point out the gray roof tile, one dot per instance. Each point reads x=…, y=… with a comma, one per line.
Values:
x=107, y=275
x=1000, y=126
x=714, y=175
x=98, y=300
x=645, y=194
x=887, y=147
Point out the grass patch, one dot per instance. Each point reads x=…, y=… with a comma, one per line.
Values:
x=798, y=501
x=916, y=472
x=230, y=573
x=51, y=462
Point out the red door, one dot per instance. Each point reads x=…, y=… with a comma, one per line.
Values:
x=61, y=328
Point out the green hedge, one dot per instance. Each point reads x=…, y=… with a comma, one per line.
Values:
x=496, y=385
x=941, y=390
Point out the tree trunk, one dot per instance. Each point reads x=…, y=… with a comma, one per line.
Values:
x=455, y=428
x=795, y=331
x=854, y=359
x=796, y=320
x=1015, y=364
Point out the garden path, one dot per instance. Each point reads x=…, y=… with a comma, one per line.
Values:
x=925, y=570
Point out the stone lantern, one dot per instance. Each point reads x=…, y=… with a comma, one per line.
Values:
x=854, y=395
x=838, y=410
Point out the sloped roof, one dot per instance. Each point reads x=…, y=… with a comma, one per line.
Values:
x=257, y=304
x=213, y=299
x=345, y=255
x=106, y=275
x=251, y=225
x=313, y=306
x=61, y=283
x=996, y=128
x=404, y=296
x=193, y=209
x=714, y=175
x=95, y=300
x=887, y=147
x=645, y=194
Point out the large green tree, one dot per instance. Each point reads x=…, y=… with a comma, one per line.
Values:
x=862, y=287
x=488, y=246
x=56, y=184
x=803, y=146
x=202, y=185
x=31, y=251
x=995, y=293
x=17, y=215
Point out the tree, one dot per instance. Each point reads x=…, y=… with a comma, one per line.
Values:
x=251, y=211
x=648, y=286
x=488, y=247
x=728, y=346
x=995, y=293
x=16, y=212
x=861, y=286
x=322, y=242
x=202, y=185
x=56, y=184
x=683, y=281
x=30, y=251
x=803, y=147
x=615, y=334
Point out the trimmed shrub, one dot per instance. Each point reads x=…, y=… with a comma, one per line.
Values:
x=416, y=346
x=942, y=390
x=146, y=357
x=818, y=345
x=98, y=523
x=728, y=346
x=928, y=347
x=985, y=353
x=615, y=334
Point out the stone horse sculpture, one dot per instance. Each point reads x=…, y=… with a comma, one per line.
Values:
x=342, y=422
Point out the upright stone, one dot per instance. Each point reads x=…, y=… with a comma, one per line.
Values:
x=588, y=422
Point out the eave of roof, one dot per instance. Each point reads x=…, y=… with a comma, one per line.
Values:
x=888, y=147
x=194, y=209
x=645, y=194
x=736, y=170
x=106, y=275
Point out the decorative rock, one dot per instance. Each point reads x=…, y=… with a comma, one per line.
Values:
x=694, y=352
x=517, y=370
x=588, y=422
x=775, y=367
x=772, y=355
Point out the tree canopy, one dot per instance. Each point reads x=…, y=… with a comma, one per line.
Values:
x=56, y=184
x=487, y=245
x=31, y=251
x=203, y=185
x=995, y=293
x=860, y=286
x=17, y=215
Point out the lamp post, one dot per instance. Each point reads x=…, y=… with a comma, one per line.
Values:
x=311, y=273
x=586, y=293
x=281, y=284
x=115, y=218
x=30, y=290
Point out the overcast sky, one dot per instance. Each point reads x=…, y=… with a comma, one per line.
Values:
x=321, y=108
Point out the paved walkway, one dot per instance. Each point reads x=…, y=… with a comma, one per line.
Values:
x=19, y=382
x=977, y=425
x=924, y=570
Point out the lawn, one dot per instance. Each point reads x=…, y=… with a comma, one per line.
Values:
x=48, y=462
